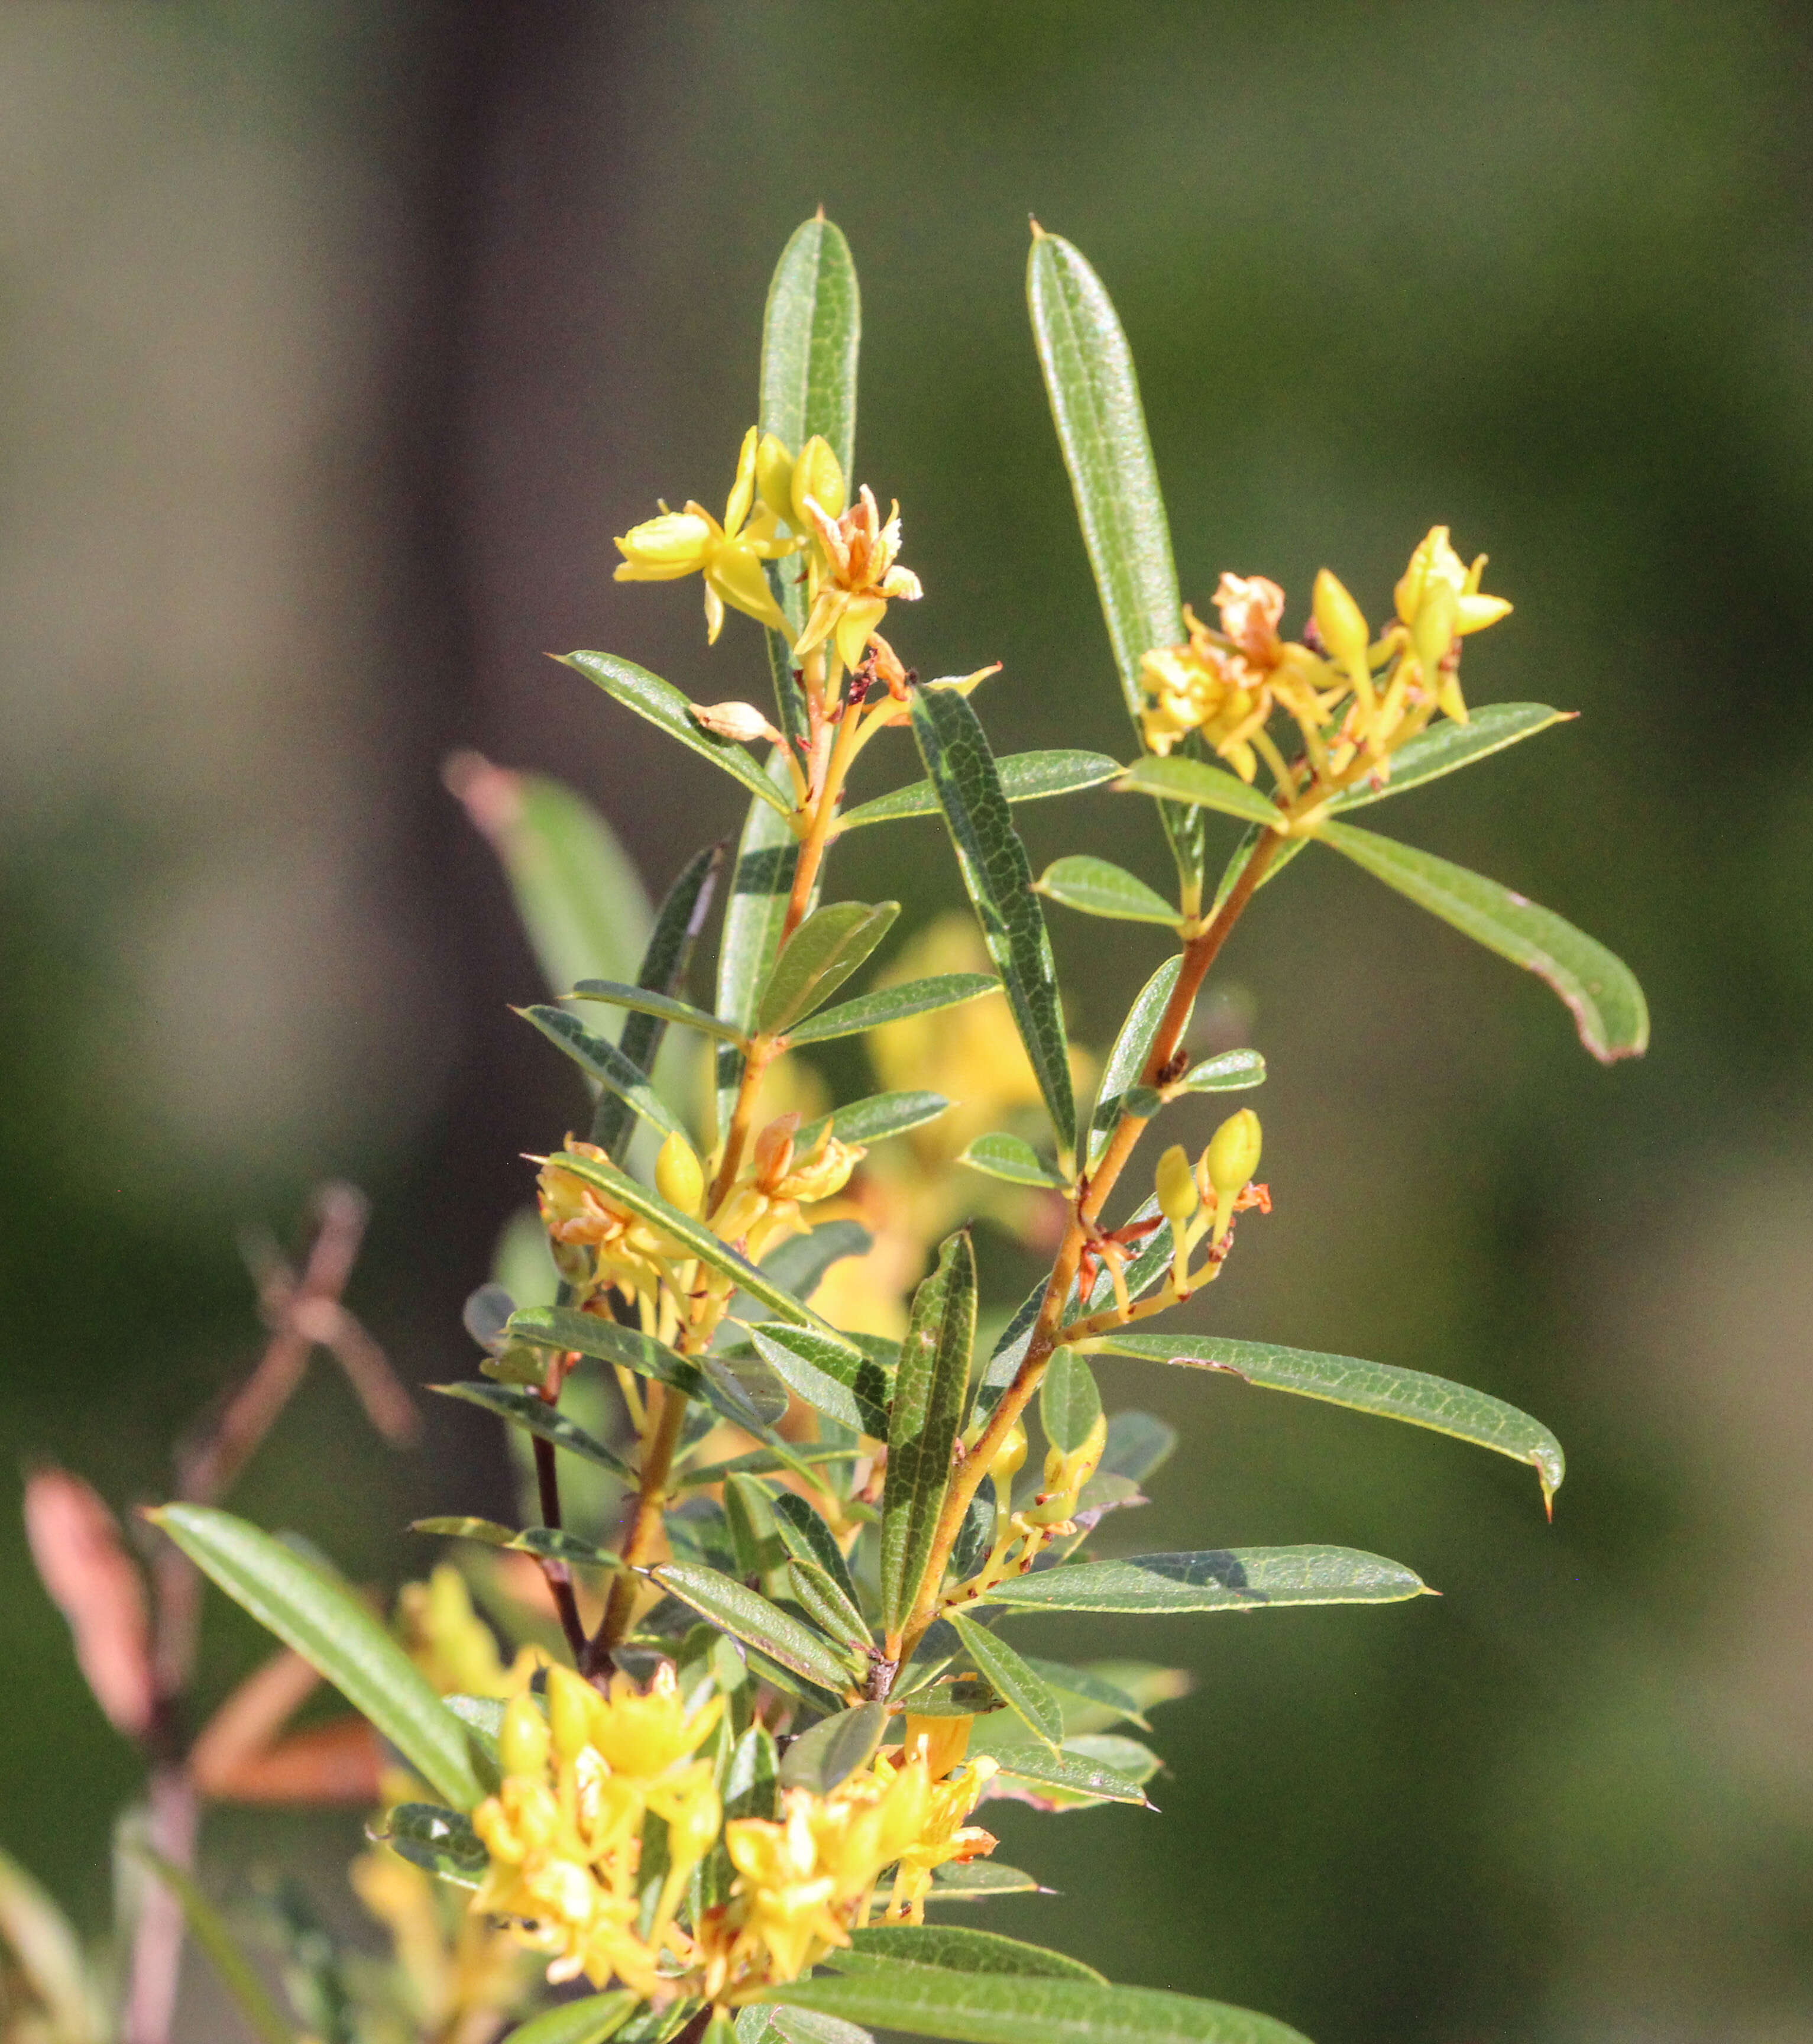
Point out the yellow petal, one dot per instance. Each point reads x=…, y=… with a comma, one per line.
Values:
x=902, y=584
x=774, y=475
x=824, y=615
x=735, y=571
x=861, y=615
x=1478, y=612
x=714, y=613
x=817, y=475
x=742, y=490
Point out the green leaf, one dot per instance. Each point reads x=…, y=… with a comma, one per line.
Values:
x=1011, y=1680
x=811, y=331
x=794, y=2026
x=1446, y=747
x=832, y=1378
x=820, y=955
x=441, y=1842
x=664, y=970
x=752, y=1619
x=600, y=1059
x=1138, y=1443
x=1599, y=989
x=1086, y=1685
x=834, y=1749
x=742, y=1389
x=1196, y=782
x=1229, y=1073
x=761, y=884
x=996, y=872
x=990, y=2008
x=1096, y=887
x=528, y=1410
x=591, y=2021
x=1215, y=1579
x=693, y=1236
x=1069, y=1403
x=758, y=1461
x=234, y=1970
x=874, y=1118
x=979, y=1879
x=547, y=1543
x=1011, y=1157
x=1025, y=777
x=894, y=1004
x=1378, y=1388
x=661, y=1006
x=323, y=1621
x=668, y=710
x=958, y=1951
x=819, y=1595
x=1077, y=1777
x=1127, y=1059
x=807, y=1538
x=928, y=1408
x=576, y=890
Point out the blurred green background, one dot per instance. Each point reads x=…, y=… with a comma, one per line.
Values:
x=338, y=341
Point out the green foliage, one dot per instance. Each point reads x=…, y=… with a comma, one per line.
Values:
x=1218, y=1579
x=1025, y=777
x=1097, y=887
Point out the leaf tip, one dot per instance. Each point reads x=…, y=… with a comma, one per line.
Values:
x=1038, y=232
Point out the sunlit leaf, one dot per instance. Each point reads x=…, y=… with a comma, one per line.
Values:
x=600, y=1059
x=661, y=1006
x=1000, y=1155
x=752, y=1619
x=1195, y=781
x=761, y=883
x=669, y=711
x=996, y=872
x=812, y=328
x=874, y=1118
x=831, y=1377
x=833, y=1749
x=978, y=1879
x=1132, y=1046
x=1069, y=1403
x=1228, y=1073
x=1377, y=1387
x=958, y=1951
x=808, y=1539
x=1215, y=1579
x=1097, y=887
x=893, y=1004
x=590, y=2021
x=927, y=1410
x=742, y=1389
x=1599, y=989
x=527, y=1410
x=1446, y=747
x=1025, y=777
x=1019, y=1686
x=817, y=958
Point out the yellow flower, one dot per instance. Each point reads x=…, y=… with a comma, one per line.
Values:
x=858, y=577
x=1434, y=561
x=729, y=555
x=1205, y=686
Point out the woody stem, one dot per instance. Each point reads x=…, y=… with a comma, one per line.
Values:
x=824, y=814
x=644, y=1522
x=1199, y=954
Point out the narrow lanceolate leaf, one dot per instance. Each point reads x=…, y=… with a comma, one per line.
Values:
x=928, y=1408
x=1025, y=777
x=978, y=1879
x=832, y=1378
x=1365, y=1387
x=817, y=958
x=440, y=1841
x=753, y=916
x=1446, y=747
x=693, y=1236
x=811, y=331
x=1229, y=1073
x=999, y=879
x=1127, y=1059
x=547, y=1543
x=807, y=1538
x=602, y=1060
x=958, y=1951
x=1196, y=782
x=1023, y=1691
x=234, y=1971
x=743, y=1390
x=592, y=2021
x=1097, y=887
x=791, y=2025
x=1012, y=1158
x=534, y=1414
x=1599, y=989
x=819, y=1595
x=1069, y=1403
x=893, y=1004
x=331, y=1628
x=661, y=1006
x=664, y=971
x=1217, y=1579
x=834, y=1749
x=669, y=711
x=874, y=1118
x=724, y=1601
x=992, y=2008
x=1076, y=1778
x=1085, y=1684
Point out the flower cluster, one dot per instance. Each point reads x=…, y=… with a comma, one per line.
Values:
x=566, y=1831
x=780, y=505
x=1354, y=701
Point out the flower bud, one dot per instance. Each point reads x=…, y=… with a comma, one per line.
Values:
x=774, y=1151
x=1233, y=1157
x=1176, y=1186
x=774, y=475
x=817, y=475
x=1008, y=1457
x=523, y=1742
x=693, y=1823
x=1340, y=620
x=569, y=1711
x=678, y=1177
x=663, y=549
x=742, y=721
x=1432, y=629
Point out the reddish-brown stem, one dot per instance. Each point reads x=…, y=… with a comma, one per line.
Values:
x=1199, y=954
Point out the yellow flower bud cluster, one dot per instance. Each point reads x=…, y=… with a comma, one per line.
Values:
x=1203, y=1198
x=596, y=1245
x=452, y=1646
x=1354, y=701
x=1021, y=1537
x=763, y=1207
x=565, y=1832
x=780, y=505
